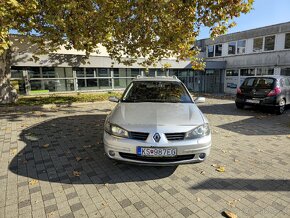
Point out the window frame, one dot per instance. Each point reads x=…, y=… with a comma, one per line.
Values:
x=274, y=42
x=262, y=46
x=235, y=50
x=286, y=39
x=215, y=49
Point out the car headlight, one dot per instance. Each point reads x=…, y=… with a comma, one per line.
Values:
x=198, y=132
x=116, y=130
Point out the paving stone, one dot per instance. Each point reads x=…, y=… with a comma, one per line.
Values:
x=253, y=151
x=185, y=212
x=76, y=207
x=125, y=203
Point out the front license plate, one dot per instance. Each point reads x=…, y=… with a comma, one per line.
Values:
x=156, y=152
x=254, y=101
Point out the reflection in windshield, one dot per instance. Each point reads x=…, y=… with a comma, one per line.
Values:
x=157, y=91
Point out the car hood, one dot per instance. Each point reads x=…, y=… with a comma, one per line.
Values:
x=137, y=116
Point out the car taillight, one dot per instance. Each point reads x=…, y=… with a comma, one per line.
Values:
x=274, y=92
x=239, y=91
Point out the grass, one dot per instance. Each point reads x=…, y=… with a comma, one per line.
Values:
x=64, y=99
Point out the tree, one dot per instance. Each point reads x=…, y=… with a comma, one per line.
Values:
x=129, y=29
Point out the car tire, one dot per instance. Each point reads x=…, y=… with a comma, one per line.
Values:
x=240, y=105
x=281, y=107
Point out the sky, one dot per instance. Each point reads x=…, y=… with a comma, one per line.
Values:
x=264, y=13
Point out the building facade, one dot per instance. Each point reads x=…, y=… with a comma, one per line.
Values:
x=261, y=51
x=68, y=71
x=229, y=60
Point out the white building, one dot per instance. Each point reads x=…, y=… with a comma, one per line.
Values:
x=229, y=59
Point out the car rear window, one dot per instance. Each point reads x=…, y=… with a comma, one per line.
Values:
x=259, y=83
x=156, y=91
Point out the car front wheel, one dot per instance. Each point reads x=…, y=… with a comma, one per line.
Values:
x=281, y=107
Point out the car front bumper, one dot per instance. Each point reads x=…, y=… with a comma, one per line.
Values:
x=188, y=151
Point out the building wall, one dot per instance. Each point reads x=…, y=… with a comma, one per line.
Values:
x=273, y=61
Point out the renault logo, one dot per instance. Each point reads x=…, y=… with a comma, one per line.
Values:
x=156, y=137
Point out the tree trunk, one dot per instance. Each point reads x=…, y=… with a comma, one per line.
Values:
x=7, y=93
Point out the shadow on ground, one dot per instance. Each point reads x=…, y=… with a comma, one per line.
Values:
x=230, y=109
x=57, y=148
x=257, y=121
x=244, y=184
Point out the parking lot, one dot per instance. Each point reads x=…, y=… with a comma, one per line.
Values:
x=52, y=164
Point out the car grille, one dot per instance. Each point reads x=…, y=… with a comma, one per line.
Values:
x=175, y=136
x=157, y=159
x=139, y=135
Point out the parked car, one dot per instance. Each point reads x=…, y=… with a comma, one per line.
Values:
x=266, y=91
x=157, y=122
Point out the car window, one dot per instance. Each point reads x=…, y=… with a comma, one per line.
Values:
x=249, y=82
x=259, y=83
x=265, y=83
x=156, y=91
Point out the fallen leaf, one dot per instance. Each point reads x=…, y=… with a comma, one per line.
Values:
x=214, y=165
x=104, y=204
x=76, y=173
x=220, y=169
x=33, y=182
x=233, y=202
x=45, y=146
x=230, y=214
x=288, y=136
x=202, y=172
x=78, y=159
x=13, y=151
x=50, y=214
x=198, y=199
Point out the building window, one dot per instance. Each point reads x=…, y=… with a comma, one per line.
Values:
x=247, y=72
x=269, y=43
x=265, y=71
x=285, y=71
x=287, y=41
x=241, y=48
x=90, y=72
x=33, y=72
x=218, y=50
x=258, y=44
x=17, y=72
x=210, y=50
x=232, y=48
x=232, y=72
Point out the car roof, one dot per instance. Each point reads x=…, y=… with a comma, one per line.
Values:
x=157, y=78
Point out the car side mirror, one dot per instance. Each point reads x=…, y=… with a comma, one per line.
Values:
x=114, y=99
x=199, y=100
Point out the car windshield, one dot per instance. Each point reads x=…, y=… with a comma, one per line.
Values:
x=156, y=91
x=259, y=83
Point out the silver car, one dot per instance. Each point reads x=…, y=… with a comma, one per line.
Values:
x=157, y=122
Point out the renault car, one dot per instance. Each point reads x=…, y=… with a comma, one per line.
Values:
x=157, y=122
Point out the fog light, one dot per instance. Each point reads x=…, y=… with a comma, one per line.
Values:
x=112, y=153
x=202, y=156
